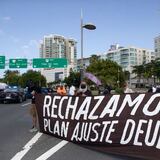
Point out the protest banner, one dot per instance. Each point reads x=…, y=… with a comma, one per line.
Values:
x=126, y=124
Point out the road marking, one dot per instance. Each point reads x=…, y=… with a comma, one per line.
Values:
x=27, y=147
x=53, y=150
x=26, y=104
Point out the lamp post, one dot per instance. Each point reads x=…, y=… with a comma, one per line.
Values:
x=88, y=26
x=118, y=77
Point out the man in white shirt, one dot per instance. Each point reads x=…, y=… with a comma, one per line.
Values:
x=72, y=90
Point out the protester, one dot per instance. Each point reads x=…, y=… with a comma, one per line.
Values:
x=33, y=113
x=127, y=89
x=61, y=90
x=152, y=89
x=107, y=90
x=72, y=90
x=83, y=90
x=158, y=89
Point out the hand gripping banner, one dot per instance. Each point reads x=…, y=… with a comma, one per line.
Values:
x=126, y=124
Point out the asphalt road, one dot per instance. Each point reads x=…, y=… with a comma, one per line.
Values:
x=16, y=142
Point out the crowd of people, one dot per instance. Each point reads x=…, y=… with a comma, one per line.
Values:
x=154, y=89
x=83, y=90
x=61, y=90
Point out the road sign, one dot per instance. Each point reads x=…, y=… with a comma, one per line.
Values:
x=49, y=62
x=17, y=63
x=2, y=62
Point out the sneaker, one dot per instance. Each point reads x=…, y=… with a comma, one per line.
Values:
x=34, y=129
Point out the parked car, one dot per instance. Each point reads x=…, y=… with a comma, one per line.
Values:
x=12, y=94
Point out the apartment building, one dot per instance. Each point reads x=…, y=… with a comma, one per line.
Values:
x=127, y=57
x=157, y=46
x=57, y=46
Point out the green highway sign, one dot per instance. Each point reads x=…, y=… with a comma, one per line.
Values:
x=49, y=63
x=2, y=62
x=17, y=63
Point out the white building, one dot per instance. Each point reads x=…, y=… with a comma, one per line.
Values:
x=127, y=57
x=157, y=46
x=56, y=46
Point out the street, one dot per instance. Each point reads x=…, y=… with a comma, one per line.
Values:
x=18, y=143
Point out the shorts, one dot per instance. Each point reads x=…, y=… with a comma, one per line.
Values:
x=33, y=110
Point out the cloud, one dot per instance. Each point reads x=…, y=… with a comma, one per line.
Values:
x=6, y=18
x=33, y=43
x=31, y=49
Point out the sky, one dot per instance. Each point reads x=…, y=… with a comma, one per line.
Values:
x=23, y=23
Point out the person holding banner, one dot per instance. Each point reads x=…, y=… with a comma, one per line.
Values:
x=107, y=90
x=127, y=89
x=72, y=90
x=61, y=90
x=83, y=90
x=36, y=89
x=33, y=113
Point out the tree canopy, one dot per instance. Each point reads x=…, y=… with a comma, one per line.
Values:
x=14, y=78
x=109, y=72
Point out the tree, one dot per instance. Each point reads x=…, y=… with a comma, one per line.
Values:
x=109, y=72
x=127, y=75
x=32, y=77
x=73, y=79
x=149, y=70
x=94, y=58
x=139, y=71
x=12, y=77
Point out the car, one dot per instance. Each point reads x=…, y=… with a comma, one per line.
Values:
x=13, y=94
x=46, y=90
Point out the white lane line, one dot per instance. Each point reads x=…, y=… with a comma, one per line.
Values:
x=54, y=149
x=26, y=104
x=27, y=147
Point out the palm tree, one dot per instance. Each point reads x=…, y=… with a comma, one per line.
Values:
x=139, y=71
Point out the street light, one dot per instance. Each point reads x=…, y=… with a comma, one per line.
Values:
x=88, y=26
x=118, y=77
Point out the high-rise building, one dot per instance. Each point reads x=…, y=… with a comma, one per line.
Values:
x=56, y=46
x=157, y=46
